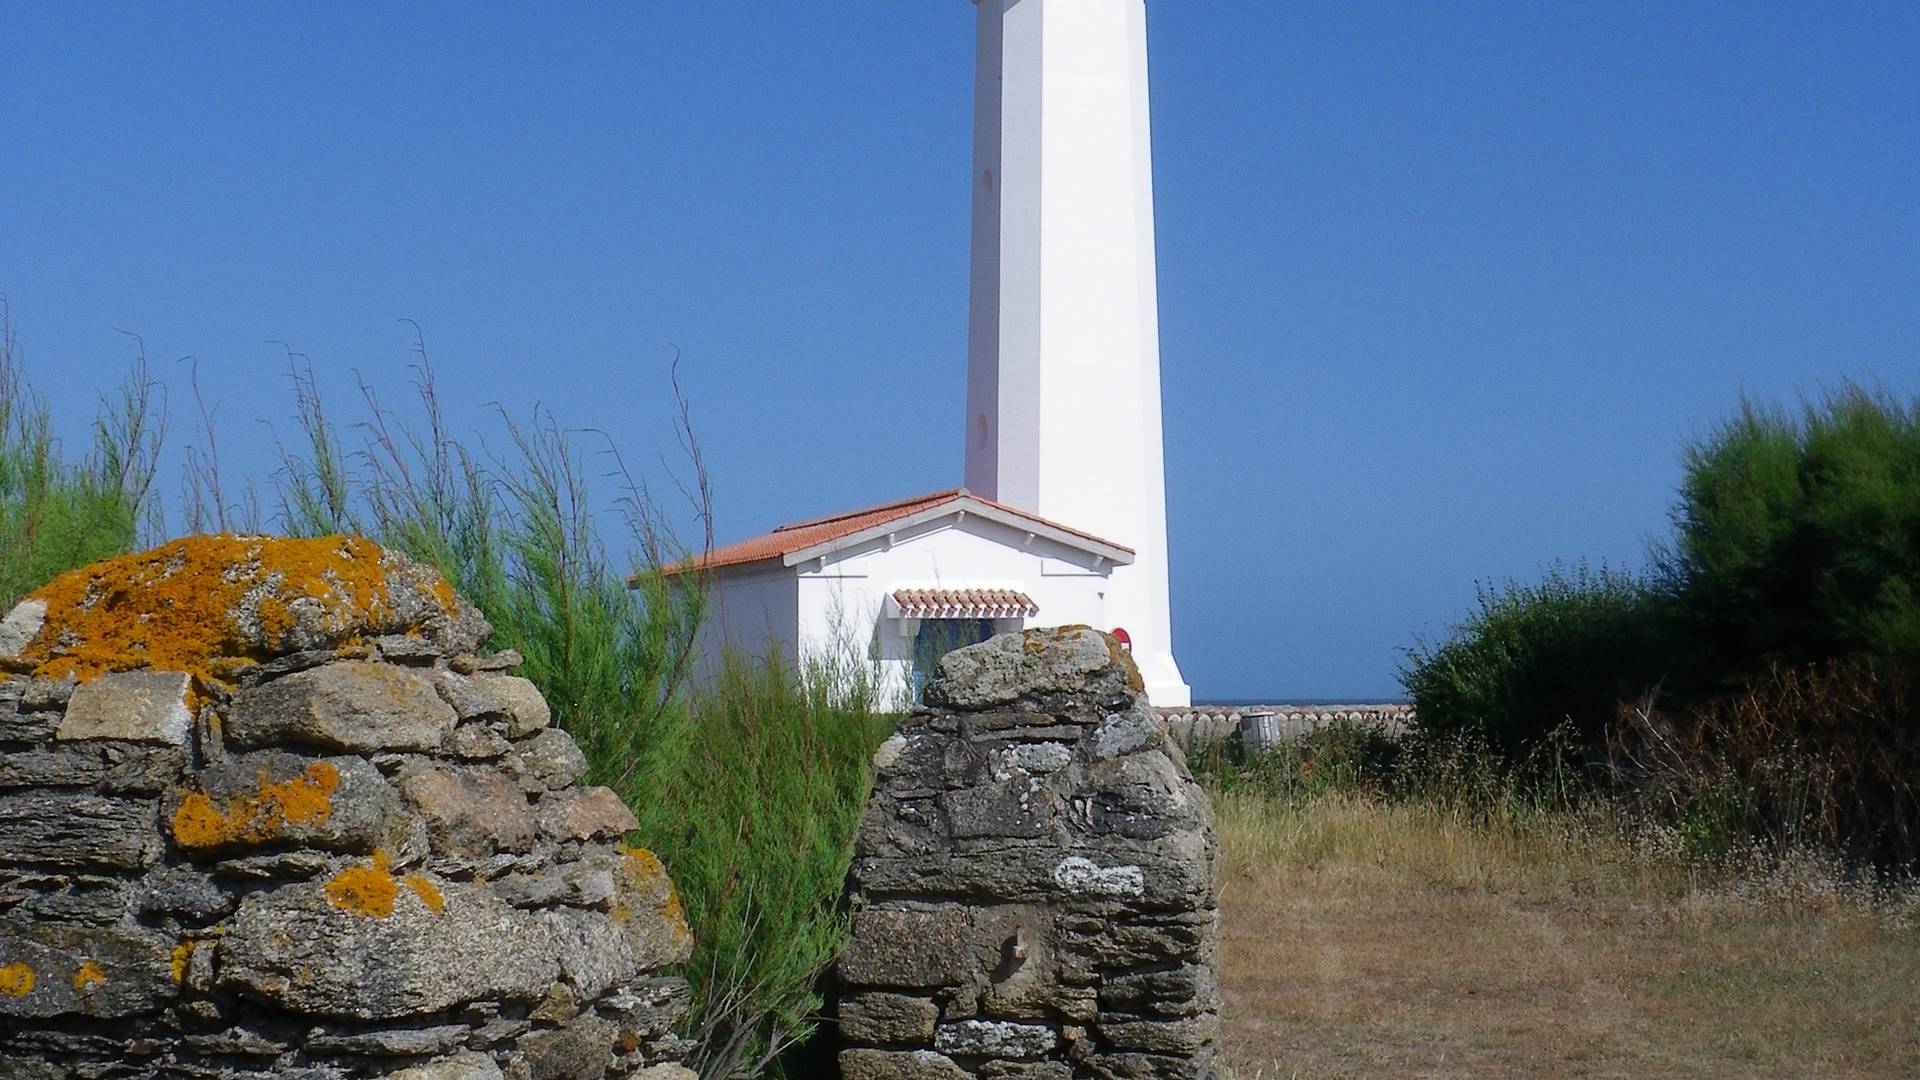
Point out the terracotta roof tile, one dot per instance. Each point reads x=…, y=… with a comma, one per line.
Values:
x=964, y=603
x=801, y=535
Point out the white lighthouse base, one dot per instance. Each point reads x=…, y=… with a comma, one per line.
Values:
x=1165, y=687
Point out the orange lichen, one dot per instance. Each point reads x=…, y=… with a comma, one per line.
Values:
x=16, y=980
x=643, y=869
x=427, y=891
x=182, y=957
x=257, y=817
x=87, y=976
x=176, y=607
x=365, y=890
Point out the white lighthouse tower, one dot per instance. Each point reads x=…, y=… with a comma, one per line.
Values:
x=1063, y=366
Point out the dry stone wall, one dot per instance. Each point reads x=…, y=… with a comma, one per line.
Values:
x=265, y=810
x=1035, y=882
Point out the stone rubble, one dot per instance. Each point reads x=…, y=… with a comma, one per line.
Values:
x=266, y=812
x=1036, y=878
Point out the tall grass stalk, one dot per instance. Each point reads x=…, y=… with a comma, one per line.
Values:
x=55, y=512
x=755, y=814
x=516, y=533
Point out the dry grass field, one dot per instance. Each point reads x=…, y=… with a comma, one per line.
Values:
x=1373, y=940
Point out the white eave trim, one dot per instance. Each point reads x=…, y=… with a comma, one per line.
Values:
x=961, y=506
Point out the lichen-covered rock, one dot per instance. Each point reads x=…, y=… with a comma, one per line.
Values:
x=272, y=797
x=352, y=705
x=52, y=969
x=265, y=812
x=373, y=945
x=1035, y=879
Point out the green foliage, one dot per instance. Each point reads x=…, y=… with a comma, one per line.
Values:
x=56, y=513
x=1533, y=659
x=1758, y=685
x=754, y=810
x=1457, y=771
x=517, y=536
x=749, y=790
x=1798, y=542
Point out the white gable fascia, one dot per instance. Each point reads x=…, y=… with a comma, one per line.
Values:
x=958, y=507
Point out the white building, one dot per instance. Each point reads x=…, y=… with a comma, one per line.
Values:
x=896, y=586
x=1063, y=519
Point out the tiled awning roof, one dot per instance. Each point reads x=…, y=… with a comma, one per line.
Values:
x=964, y=603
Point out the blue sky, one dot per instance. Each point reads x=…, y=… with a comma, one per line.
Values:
x=1445, y=287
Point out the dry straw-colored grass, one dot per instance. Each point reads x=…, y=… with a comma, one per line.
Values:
x=1366, y=938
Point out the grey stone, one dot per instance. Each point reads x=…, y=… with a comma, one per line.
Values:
x=390, y=1042
x=588, y=814
x=995, y=1038
x=146, y=771
x=82, y=898
x=887, y=1019
x=1124, y=733
x=54, y=970
x=39, y=693
x=647, y=1009
x=78, y=830
x=1074, y=663
x=298, y=948
x=50, y=768
x=1174, y=1035
x=552, y=758
x=473, y=812
x=1035, y=854
x=407, y=649
x=476, y=742
x=184, y=892
x=531, y=890
x=20, y=626
x=510, y=699
x=356, y=705
x=468, y=663
x=861, y=1063
x=16, y=725
x=1026, y=1070
x=277, y=866
x=581, y=1050
x=469, y=1066
x=892, y=947
x=131, y=706
x=1179, y=991
x=1014, y=807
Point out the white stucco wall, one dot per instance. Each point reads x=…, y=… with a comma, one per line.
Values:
x=752, y=610
x=836, y=604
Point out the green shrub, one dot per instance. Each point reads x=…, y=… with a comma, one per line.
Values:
x=754, y=811
x=1534, y=659
x=1797, y=542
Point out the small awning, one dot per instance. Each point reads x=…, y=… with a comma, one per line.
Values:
x=964, y=604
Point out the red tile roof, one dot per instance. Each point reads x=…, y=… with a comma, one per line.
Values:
x=801, y=535
x=965, y=603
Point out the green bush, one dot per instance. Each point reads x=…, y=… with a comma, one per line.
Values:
x=1535, y=659
x=754, y=812
x=1797, y=542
